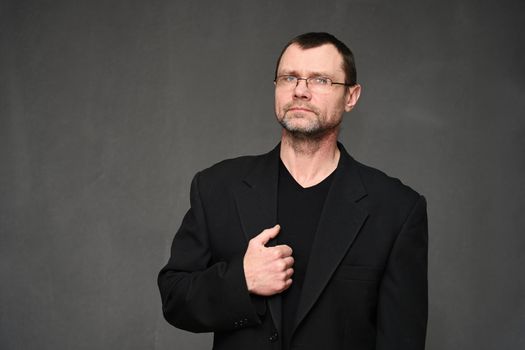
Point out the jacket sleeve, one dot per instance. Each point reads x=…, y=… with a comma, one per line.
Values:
x=403, y=295
x=198, y=296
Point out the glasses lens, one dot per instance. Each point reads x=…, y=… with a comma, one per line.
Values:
x=319, y=84
x=315, y=84
x=286, y=81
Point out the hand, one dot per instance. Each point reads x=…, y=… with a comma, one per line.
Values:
x=267, y=269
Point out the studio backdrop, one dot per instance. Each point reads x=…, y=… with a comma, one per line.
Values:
x=108, y=109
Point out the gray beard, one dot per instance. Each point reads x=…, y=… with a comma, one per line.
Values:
x=313, y=132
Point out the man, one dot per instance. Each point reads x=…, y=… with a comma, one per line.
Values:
x=303, y=247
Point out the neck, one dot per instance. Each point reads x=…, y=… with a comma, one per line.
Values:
x=309, y=160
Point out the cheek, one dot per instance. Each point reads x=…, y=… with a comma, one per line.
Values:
x=279, y=104
x=337, y=107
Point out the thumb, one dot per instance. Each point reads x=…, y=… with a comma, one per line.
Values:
x=268, y=234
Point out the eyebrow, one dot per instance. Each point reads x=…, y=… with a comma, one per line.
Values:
x=312, y=74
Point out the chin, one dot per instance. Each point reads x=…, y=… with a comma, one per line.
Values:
x=299, y=122
x=299, y=126
x=303, y=131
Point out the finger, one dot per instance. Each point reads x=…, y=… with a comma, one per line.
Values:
x=288, y=261
x=284, y=250
x=287, y=284
x=289, y=273
x=267, y=234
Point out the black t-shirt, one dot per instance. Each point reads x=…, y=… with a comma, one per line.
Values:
x=299, y=210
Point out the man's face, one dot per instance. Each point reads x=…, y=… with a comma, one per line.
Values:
x=302, y=111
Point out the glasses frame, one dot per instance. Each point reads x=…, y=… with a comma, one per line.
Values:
x=307, y=80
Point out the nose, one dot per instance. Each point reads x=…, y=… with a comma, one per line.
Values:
x=301, y=90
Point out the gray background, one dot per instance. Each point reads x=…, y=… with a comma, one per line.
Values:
x=109, y=108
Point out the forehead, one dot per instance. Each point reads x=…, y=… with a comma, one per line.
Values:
x=323, y=59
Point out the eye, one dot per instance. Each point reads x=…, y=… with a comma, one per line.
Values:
x=320, y=81
x=289, y=78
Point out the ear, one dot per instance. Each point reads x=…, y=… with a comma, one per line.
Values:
x=352, y=96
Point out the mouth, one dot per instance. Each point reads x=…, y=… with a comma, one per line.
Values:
x=299, y=109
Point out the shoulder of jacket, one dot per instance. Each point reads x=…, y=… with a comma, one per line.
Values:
x=229, y=171
x=378, y=183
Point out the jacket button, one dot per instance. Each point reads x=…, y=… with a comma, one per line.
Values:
x=273, y=338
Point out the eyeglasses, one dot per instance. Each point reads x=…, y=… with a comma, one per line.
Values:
x=315, y=84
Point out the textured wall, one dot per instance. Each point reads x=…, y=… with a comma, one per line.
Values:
x=108, y=108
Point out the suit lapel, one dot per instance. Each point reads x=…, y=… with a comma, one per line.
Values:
x=338, y=226
x=256, y=199
x=340, y=222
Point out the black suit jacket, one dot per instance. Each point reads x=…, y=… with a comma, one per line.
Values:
x=366, y=282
